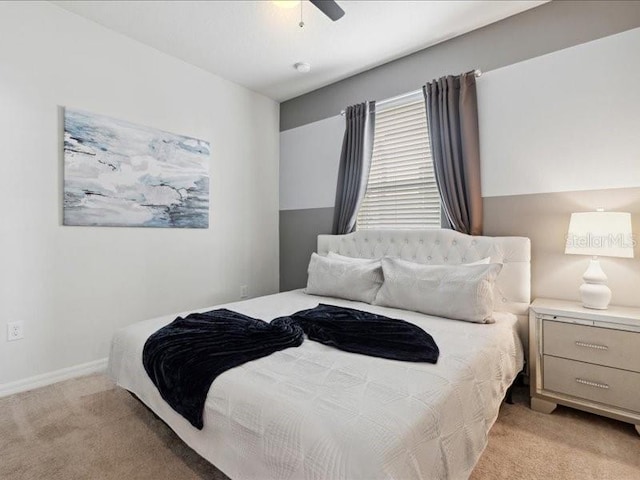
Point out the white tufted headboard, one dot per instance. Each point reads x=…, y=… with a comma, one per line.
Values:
x=513, y=286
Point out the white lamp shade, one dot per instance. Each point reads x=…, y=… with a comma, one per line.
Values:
x=606, y=234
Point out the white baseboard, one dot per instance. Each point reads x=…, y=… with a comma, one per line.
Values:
x=45, y=379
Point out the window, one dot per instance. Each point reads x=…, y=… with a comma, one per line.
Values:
x=401, y=190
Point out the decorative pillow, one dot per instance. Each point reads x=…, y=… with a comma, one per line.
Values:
x=482, y=261
x=461, y=292
x=344, y=258
x=337, y=256
x=350, y=280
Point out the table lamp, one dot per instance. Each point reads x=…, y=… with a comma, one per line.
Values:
x=599, y=234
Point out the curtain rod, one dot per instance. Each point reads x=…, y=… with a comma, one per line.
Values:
x=477, y=73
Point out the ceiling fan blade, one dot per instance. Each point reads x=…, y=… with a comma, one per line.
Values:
x=330, y=8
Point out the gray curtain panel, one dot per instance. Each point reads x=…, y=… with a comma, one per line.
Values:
x=355, y=162
x=452, y=115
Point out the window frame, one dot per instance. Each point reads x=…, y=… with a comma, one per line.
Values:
x=402, y=191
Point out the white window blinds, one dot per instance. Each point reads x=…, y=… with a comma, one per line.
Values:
x=401, y=190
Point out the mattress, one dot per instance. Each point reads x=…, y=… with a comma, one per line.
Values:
x=314, y=412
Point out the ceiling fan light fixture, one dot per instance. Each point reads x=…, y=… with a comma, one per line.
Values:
x=302, y=67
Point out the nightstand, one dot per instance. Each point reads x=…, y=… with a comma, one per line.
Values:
x=585, y=359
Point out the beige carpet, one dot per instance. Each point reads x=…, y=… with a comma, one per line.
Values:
x=89, y=429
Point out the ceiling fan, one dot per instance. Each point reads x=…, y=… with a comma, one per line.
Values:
x=330, y=8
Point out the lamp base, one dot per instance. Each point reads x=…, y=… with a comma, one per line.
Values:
x=594, y=291
x=595, y=296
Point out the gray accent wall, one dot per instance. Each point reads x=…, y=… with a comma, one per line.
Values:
x=544, y=218
x=546, y=29
x=299, y=230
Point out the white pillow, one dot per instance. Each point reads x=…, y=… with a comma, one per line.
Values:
x=482, y=261
x=461, y=292
x=350, y=280
x=337, y=256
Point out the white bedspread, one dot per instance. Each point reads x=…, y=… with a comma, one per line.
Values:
x=314, y=412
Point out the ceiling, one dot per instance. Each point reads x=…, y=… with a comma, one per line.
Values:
x=256, y=43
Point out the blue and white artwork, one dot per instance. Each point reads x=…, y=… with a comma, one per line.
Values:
x=118, y=174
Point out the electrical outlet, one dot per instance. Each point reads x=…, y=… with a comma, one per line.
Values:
x=244, y=291
x=14, y=331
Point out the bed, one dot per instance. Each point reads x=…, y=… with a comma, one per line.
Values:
x=313, y=412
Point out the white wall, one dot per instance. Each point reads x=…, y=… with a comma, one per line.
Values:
x=565, y=121
x=309, y=161
x=73, y=286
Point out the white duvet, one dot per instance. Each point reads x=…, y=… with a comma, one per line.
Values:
x=314, y=412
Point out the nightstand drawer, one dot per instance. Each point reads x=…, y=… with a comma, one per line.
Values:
x=602, y=346
x=605, y=385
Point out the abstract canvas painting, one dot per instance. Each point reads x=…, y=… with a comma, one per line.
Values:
x=119, y=174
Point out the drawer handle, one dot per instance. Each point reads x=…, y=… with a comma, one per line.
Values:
x=592, y=384
x=591, y=345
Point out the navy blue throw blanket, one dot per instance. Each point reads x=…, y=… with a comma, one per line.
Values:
x=185, y=357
